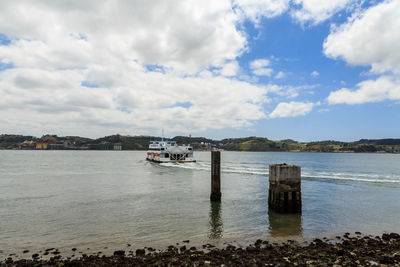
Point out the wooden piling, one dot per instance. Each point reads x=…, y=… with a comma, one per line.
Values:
x=284, y=188
x=215, y=176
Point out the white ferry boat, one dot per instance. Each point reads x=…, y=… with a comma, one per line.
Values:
x=169, y=151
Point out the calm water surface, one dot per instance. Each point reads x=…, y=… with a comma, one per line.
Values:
x=94, y=199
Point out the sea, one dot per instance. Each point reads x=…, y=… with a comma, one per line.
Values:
x=109, y=200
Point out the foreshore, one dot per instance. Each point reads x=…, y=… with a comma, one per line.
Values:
x=346, y=250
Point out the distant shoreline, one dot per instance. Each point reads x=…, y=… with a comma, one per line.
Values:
x=253, y=144
x=335, y=152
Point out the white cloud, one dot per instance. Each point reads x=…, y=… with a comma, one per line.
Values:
x=58, y=35
x=141, y=57
x=291, y=109
x=254, y=10
x=263, y=71
x=138, y=100
x=371, y=39
x=230, y=69
x=314, y=73
x=289, y=91
x=316, y=11
x=280, y=75
x=259, y=67
x=259, y=63
x=384, y=88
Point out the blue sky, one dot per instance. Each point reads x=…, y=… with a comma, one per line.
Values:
x=300, y=69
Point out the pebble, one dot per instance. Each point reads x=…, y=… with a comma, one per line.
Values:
x=140, y=252
x=353, y=251
x=119, y=253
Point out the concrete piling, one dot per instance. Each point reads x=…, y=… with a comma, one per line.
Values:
x=215, y=176
x=284, y=188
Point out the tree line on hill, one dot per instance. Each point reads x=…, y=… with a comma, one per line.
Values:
x=8, y=141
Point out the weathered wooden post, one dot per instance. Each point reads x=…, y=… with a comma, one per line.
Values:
x=215, y=176
x=284, y=188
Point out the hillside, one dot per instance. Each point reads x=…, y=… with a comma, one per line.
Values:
x=252, y=143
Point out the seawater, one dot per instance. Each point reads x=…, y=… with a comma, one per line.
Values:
x=98, y=199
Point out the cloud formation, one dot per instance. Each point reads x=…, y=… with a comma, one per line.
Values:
x=97, y=68
x=51, y=34
x=370, y=38
x=291, y=109
x=383, y=88
x=254, y=10
x=316, y=11
x=260, y=67
x=314, y=73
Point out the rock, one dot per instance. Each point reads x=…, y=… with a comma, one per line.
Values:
x=35, y=256
x=386, y=260
x=73, y=249
x=340, y=252
x=394, y=236
x=186, y=241
x=25, y=251
x=140, y=252
x=357, y=233
x=183, y=248
x=250, y=249
x=119, y=253
x=128, y=245
x=193, y=248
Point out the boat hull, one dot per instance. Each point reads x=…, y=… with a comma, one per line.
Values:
x=170, y=161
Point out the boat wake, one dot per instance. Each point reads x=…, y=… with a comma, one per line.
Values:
x=251, y=169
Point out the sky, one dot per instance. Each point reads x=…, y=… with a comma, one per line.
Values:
x=306, y=70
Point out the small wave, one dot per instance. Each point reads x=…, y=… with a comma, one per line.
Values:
x=251, y=170
x=356, y=179
x=228, y=169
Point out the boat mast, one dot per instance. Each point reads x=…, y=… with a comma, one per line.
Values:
x=162, y=137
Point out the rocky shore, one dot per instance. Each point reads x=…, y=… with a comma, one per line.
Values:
x=347, y=250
